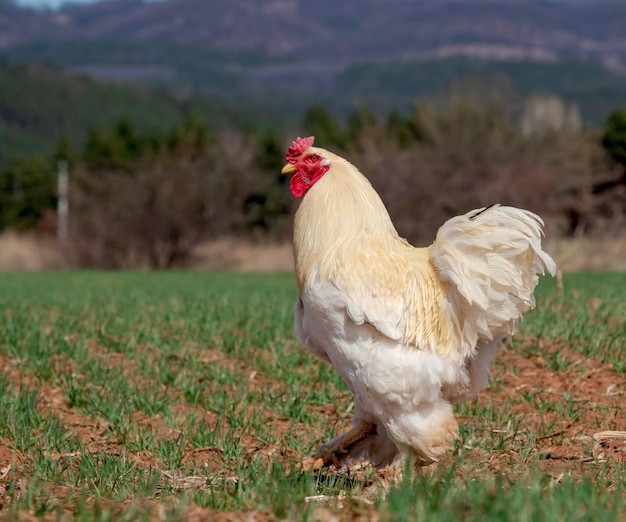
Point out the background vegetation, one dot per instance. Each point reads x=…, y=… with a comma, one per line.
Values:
x=253, y=78
x=595, y=90
x=144, y=191
x=155, y=170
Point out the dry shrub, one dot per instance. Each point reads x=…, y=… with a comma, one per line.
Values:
x=29, y=251
x=472, y=156
x=153, y=216
x=464, y=156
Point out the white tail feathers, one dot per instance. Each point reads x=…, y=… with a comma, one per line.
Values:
x=490, y=258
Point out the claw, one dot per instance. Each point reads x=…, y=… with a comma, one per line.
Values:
x=332, y=453
x=312, y=463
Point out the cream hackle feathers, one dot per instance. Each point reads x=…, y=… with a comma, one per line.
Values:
x=410, y=330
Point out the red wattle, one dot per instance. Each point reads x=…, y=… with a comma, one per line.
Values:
x=299, y=185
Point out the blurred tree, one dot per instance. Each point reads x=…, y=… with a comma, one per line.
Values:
x=270, y=155
x=614, y=137
x=319, y=122
x=362, y=121
x=147, y=199
x=183, y=187
x=64, y=151
x=406, y=130
x=120, y=148
x=192, y=136
x=268, y=209
x=27, y=190
x=612, y=192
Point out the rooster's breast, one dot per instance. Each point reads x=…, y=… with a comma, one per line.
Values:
x=386, y=376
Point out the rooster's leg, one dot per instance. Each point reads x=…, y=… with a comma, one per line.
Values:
x=332, y=451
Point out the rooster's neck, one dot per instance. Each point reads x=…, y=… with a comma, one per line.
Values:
x=341, y=212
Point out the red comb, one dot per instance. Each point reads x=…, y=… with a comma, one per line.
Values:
x=298, y=147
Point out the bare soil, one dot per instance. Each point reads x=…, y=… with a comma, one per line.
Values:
x=566, y=445
x=595, y=430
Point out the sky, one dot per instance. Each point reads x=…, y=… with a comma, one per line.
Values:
x=50, y=3
x=41, y=4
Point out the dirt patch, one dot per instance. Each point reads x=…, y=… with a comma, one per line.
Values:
x=563, y=423
x=197, y=514
x=566, y=421
x=564, y=410
x=11, y=464
x=591, y=385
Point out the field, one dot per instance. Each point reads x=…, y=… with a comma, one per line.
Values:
x=186, y=396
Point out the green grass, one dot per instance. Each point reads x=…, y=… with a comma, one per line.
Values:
x=110, y=380
x=589, y=317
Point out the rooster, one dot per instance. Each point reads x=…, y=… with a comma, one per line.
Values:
x=411, y=331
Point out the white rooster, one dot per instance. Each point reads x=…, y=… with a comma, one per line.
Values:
x=411, y=331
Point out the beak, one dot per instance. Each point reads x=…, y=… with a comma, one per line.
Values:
x=288, y=169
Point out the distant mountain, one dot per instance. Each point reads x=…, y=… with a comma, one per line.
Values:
x=282, y=55
x=349, y=32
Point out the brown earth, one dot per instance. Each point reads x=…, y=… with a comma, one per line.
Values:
x=575, y=418
x=570, y=422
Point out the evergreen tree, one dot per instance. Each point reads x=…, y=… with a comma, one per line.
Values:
x=614, y=137
x=360, y=123
x=327, y=130
x=267, y=208
x=406, y=130
x=27, y=189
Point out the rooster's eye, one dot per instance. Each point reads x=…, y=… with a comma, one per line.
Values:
x=313, y=157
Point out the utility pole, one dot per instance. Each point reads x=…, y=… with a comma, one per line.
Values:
x=63, y=206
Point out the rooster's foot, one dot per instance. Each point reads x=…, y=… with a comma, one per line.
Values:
x=336, y=449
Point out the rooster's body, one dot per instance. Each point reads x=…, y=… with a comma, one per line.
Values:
x=412, y=331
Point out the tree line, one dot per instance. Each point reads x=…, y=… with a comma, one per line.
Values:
x=145, y=199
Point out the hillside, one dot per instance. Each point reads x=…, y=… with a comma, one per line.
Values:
x=595, y=90
x=40, y=104
x=181, y=69
x=281, y=56
x=286, y=88
x=322, y=30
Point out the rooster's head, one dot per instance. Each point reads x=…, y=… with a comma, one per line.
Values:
x=307, y=165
